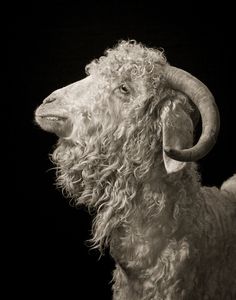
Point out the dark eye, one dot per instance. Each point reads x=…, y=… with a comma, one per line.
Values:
x=124, y=89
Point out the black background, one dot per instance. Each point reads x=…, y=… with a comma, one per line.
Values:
x=49, y=46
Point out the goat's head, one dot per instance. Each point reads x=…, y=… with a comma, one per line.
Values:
x=123, y=86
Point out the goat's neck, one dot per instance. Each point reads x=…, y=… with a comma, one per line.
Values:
x=162, y=209
x=172, y=188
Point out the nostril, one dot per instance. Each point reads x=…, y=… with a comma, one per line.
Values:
x=49, y=99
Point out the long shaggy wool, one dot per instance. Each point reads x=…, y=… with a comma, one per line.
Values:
x=171, y=238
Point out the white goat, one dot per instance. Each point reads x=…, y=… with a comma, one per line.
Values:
x=125, y=151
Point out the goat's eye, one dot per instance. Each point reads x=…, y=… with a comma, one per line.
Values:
x=124, y=89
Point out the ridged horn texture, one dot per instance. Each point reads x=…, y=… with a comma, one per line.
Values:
x=200, y=95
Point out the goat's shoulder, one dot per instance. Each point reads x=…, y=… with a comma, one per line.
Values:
x=229, y=186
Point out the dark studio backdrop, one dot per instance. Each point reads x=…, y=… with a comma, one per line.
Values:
x=49, y=47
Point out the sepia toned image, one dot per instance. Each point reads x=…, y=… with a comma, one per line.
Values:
x=129, y=159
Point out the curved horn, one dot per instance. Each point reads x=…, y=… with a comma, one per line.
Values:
x=204, y=101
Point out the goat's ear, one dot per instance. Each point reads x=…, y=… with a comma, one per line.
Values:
x=177, y=130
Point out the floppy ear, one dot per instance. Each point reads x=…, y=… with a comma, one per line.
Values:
x=177, y=130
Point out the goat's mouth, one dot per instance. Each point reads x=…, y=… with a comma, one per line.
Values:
x=60, y=125
x=51, y=118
